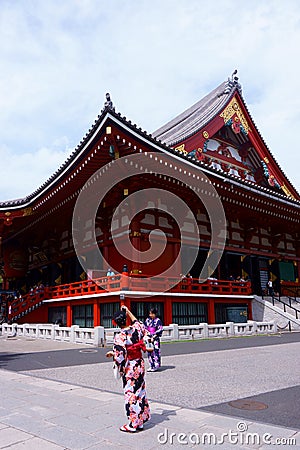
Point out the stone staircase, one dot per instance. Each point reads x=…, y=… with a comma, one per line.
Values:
x=27, y=303
x=264, y=310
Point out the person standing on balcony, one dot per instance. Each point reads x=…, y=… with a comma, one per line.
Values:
x=127, y=354
x=154, y=327
x=110, y=272
x=270, y=287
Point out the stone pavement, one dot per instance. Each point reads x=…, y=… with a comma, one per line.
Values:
x=44, y=414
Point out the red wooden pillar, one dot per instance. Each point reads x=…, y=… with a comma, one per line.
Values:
x=96, y=314
x=124, y=284
x=211, y=311
x=168, y=316
x=250, y=310
x=69, y=315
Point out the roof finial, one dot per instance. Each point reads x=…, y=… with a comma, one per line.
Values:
x=233, y=78
x=231, y=83
x=108, y=104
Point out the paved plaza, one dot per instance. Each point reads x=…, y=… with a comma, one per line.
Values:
x=62, y=396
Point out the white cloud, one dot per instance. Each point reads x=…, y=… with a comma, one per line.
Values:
x=21, y=174
x=156, y=58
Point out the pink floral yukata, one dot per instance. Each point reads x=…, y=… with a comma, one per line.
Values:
x=127, y=345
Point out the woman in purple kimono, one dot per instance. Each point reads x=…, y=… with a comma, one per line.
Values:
x=127, y=354
x=154, y=327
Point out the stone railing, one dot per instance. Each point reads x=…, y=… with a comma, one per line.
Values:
x=176, y=332
x=99, y=336
x=73, y=334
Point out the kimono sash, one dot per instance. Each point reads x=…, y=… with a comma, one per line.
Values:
x=134, y=351
x=151, y=330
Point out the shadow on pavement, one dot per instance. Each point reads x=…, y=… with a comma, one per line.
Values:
x=7, y=358
x=163, y=368
x=159, y=418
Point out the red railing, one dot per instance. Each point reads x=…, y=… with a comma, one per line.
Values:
x=88, y=287
x=123, y=283
x=290, y=289
x=189, y=286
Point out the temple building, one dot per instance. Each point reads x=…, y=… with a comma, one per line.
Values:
x=58, y=243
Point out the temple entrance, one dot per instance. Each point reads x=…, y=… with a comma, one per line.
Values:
x=199, y=263
x=231, y=265
x=231, y=313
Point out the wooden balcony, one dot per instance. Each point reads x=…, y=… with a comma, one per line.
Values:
x=122, y=283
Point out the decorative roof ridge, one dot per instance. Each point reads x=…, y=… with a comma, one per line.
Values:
x=232, y=83
x=108, y=104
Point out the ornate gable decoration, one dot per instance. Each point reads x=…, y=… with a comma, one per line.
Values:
x=233, y=109
x=272, y=180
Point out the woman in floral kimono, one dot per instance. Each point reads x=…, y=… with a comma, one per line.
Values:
x=154, y=327
x=127, y=354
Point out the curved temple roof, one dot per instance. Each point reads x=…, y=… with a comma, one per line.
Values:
x=198, y=115
x=181, y=127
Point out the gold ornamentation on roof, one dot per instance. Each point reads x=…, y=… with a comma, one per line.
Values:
x=287, y=192
x=27, y=211
x=7, y=213
x=266, y=160
x=234, y=108
x=181, y=148
x=205, y=134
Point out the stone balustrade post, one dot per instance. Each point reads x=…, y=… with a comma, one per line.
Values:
x=205, y=332
x=53, y=332
x=230, y=328
x=72, y=333
x=174, y=332
x=99, y=336
x=274, y=326
x=254, y=326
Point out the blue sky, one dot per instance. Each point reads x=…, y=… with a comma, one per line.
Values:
x=156, y=58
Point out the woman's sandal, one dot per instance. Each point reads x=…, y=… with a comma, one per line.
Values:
x=127, y=428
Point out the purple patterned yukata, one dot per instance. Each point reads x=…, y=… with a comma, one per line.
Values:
x=128, y=344
x=155, y=329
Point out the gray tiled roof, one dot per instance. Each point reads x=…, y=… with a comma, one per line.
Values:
x=198, y=115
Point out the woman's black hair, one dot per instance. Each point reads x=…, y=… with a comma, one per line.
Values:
x=120, y=318
x=153, y=311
